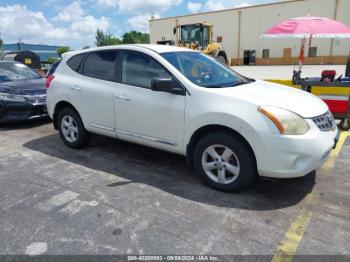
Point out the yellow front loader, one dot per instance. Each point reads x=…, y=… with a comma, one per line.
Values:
x=199, y=37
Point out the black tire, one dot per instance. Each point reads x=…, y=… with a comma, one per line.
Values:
x=83, y=136
x=221, y=59
x=243, y=153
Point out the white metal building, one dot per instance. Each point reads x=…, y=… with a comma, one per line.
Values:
x=238, y=31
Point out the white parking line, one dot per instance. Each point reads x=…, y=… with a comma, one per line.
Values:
x=57, y=201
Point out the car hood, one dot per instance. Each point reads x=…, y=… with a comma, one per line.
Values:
x=24, y=87
x=266, y=93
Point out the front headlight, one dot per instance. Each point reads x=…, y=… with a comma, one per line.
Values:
x=11, y=97
x=287, y=122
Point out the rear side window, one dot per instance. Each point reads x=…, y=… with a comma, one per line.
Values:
x=75, y=62
x=53, y=68
x=139, y=69
x=101, y=65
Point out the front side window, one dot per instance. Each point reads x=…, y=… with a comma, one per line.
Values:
x=139, y=69
x=197, y=33
x=203, y=70
x=16, y=71
x=101, y=65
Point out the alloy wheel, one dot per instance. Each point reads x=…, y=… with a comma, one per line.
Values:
x=220, y=164
x=69, y=128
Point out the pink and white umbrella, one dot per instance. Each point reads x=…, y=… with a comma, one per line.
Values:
x=308, y=27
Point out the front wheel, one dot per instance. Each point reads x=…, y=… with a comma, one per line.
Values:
x=225, y=162
x=221, y=59
x=71, y=129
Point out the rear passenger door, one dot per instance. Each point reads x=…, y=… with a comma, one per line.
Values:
x=145, y=116
x=96, y=90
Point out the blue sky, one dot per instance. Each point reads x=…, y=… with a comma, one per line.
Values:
x=74, y=23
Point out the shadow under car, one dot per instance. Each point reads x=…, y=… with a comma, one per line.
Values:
x=170, y=173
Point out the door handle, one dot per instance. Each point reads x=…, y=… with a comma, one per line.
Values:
x=121, y=97
x=75, y=87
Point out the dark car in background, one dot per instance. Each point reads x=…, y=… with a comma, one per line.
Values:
x=22, y=93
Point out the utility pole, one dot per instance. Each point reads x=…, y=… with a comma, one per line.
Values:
x=331, y=50
x=1, y=47
x=19, y=44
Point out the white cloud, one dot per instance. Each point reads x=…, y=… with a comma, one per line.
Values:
x=89, y=25
x=194, y=7
x=214, y=5
x=107, y=3
x=140, y=22
x=242, y=5
x=141, y=11
x=139, y=7
x=70, y=12
x=35, y=28
x=16, y=21
x=146, y=6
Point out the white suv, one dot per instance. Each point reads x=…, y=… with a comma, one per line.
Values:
x=231, y=128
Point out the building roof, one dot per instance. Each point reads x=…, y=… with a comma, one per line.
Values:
x=43, y=51
x=14, y=46
x=230, y=9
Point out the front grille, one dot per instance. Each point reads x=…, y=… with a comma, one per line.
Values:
x=36, y=99
x=325, y=122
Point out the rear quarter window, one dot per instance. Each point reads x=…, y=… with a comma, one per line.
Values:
x=101, y=65
x=75, y=62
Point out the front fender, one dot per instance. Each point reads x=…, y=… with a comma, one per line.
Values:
x=237, y=124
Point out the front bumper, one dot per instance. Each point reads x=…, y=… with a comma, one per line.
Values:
x=296, y=156
x=20, y=111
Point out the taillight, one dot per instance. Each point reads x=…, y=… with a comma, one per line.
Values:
x=49, y=80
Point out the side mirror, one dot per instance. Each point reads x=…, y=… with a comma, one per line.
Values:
x=162, y=84
x=167, y=84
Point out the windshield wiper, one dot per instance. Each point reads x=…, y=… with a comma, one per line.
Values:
x=227, y=84
x=242, y=83
x=214, y=86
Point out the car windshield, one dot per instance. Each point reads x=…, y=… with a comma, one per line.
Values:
x=204, y=71
x=15, y=72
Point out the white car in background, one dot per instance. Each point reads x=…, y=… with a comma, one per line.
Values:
x=231, y=128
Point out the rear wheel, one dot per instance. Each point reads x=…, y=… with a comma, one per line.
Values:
x=71, y=129
x=225, y=162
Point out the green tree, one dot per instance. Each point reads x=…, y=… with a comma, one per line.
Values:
x=62, y=50
x=102, y=39
x=52, y=60
x=134, y=37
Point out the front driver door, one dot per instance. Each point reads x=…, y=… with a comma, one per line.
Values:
x=145, y=116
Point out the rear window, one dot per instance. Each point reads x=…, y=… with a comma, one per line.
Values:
x=75, y=62
x=101, y=65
